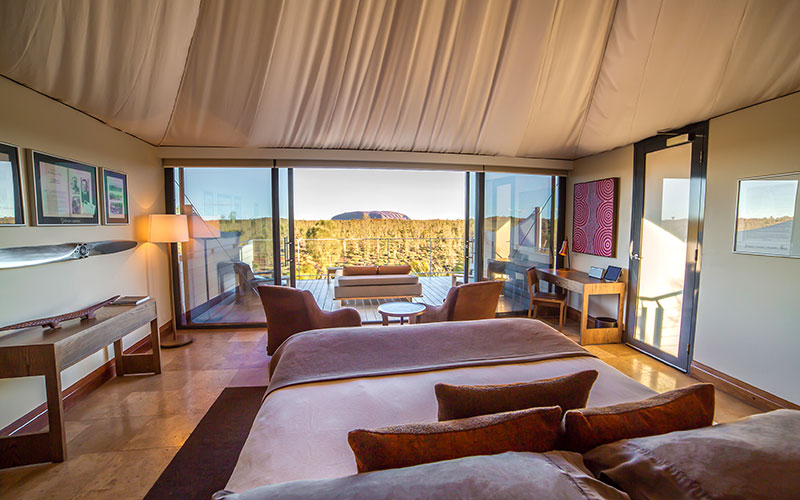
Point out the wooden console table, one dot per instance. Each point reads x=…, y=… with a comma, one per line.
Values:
x=42, y=351
x=580, y=282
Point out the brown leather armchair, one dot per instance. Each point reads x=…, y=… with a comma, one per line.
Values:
x=291, y=311
x=466, y=302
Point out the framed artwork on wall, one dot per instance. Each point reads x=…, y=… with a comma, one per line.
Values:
x=594, y=217
x=115, y=197
x=65, y=191
x=11, y=205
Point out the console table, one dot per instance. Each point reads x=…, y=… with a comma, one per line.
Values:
x=42, y=351
x=580, y=282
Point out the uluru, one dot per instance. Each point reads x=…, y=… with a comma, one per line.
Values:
x=375, y=214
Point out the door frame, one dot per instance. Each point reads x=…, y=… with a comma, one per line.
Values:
x=277, y=237
x=476, y=255
x=698, y=136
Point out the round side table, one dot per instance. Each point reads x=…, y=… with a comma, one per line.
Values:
x=402, y=310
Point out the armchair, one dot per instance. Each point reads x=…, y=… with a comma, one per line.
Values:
x=466, y=302
x=291, y=311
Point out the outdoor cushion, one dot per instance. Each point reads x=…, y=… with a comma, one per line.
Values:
x=359, y=270
x=401, y=269
x=377, y=279
x=410, y=290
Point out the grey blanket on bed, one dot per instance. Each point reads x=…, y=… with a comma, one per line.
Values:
x=341, y=353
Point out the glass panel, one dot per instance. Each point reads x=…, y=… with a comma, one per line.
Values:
x=470, y=248
x=286, y=236
x=230, y=250
x=663, y=248
x=517, y=233
x=766, y=216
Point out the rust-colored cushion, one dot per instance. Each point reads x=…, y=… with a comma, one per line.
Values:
x=402, y=269
x=536, y=429
x=359, y=270
x=682, y=409
x=463, y=401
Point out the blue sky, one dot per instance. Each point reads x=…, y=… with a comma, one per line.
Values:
x=323, y=193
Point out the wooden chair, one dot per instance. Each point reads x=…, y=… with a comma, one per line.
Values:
x=291, y=311
x=544, y=298
x=466, y=302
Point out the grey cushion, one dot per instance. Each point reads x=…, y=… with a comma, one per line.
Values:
x=344, y=292
x=534, y=476
x=377, y=279
x=754, y=458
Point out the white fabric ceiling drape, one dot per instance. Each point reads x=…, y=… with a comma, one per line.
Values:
x=525, y=78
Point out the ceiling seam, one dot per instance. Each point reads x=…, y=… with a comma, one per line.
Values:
x=730, y=56
x=183, y=74
x=590, y=101
x=644, y=70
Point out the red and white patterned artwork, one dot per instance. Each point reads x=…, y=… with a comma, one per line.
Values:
x=594, y=219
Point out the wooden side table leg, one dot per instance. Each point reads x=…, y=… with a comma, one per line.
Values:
x=385, y=318
x=620, y=316
x=584, y=317
x=55, y=410
x=155, y=343
x=118, y=363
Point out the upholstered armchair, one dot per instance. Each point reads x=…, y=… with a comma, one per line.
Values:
x=291, y=311
x=466, y=302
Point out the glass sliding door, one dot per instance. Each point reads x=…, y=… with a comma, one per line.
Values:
x=231, y=248
x=285, y=221
x=473, y=198
x=517, y=232
x=665, y=244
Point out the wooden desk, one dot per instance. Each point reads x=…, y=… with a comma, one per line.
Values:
x=580, y=282
x=39, y=351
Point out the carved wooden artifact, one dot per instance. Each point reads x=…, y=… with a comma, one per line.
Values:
x=53, y=321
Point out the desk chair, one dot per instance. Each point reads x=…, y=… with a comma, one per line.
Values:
x=544, y=298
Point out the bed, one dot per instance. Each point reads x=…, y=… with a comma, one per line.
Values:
x=327, y=382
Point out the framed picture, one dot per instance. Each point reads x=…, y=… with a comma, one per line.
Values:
x=115, y=197
x=594, y=218
x=11, y=205
x=767, y=218
x=65, y=191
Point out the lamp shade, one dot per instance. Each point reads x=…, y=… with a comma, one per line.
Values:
x=167, y=228
x=564, y=249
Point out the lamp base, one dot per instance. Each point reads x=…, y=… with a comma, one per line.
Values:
x=176, y=341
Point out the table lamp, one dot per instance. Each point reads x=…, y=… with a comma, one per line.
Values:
x=170, y=228
x=565, y=253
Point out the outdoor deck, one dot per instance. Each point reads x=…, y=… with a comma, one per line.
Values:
x=249, y=310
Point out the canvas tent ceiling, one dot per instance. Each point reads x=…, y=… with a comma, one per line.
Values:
x=527, y=78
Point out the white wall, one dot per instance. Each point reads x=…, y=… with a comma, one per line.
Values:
x=748, y=322
x=30, y=120
x=615, y=163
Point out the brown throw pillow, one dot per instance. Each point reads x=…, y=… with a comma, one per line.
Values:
x=463, y=401
x=536, y=429
x=359, y=270
x=402, y=269
x=682, y=409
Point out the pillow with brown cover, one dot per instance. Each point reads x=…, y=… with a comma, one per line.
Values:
x=401, y=269
x=463, y=401
x=682, y=409
x=536, y=429
x=359, y=270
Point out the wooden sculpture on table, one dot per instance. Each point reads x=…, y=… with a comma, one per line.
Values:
x=54, y=321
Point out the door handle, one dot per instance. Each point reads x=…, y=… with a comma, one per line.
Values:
x=633, y=256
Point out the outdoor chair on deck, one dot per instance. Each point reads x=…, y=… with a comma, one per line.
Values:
x=466, y=302
x=539, y=299
x=291, y=311
x=247, y=280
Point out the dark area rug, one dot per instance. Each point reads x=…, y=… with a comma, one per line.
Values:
x=206, y=460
